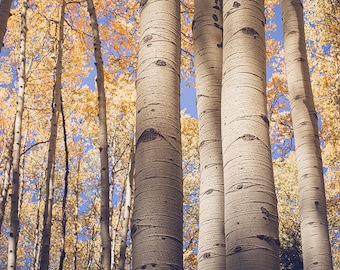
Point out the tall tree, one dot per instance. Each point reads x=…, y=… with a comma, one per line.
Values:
x=251, y=221
x=103, y=147
x=157, y=217
x=5, y=7
x=56, y=110
x=14, y=215
x=207, y=31
x=314, y=226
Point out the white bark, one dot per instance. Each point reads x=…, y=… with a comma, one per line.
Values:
x=14, y=216
x=127, y=210
x=56, y=109
x=251, y=221
x=6, y=179
x=316, y=250
x=207, y=32
x=103, y=148
x=157, y=218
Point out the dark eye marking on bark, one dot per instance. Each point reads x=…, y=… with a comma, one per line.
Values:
x=236, y=4
x=248, y=137
x=265, y=119
x=133, y=229
x=209, y=191
x=218, y=26
x=216, y=7
x=268, y=239
x=239, y=186
x=220, y=45
x=215, y=18
x=147, y=38
x=298, y=97
x=292, y=32
x=265, y=212
x=143, y=3
x=301, y=59
x=148, y=135
x=249, y=31
x=206, y=255
x=237, y=249
x=161, y=63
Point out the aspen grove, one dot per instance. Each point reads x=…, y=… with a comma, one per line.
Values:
x=107, y=161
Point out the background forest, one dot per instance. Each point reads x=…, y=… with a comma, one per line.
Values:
x=75, y=232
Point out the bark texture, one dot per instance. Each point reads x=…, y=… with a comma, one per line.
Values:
x=251, y=220
x=157, y=218
x=5, y=8
x=4, y=188
x=207, y=32
x=14, y=214
x=56, y=109
x=103, y=145
x=127, y=210
x=316, y=250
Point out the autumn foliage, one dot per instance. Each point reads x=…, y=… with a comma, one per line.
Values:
x=119, y=32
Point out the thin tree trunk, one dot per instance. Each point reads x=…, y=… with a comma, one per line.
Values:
x=64, y=218
x=103, y=148
x=75, y=243
x=37, y=246
x=207, y=32
x=251, y=219
x=127, y=210
x=6, y=181
x=14, y=215
x=5, y=8
x=156, y=230
x=56, y=108
x=316, y=249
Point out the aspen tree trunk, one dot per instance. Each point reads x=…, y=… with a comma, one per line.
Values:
x=5, y=8
x=251, y=219
x=316, y=250
x=158, y=213
x=104, y=162
x=64, y=218
x=207, y=31
x=75, y=243
x=5, y=184
x=36, y=252
x=14, y=214
x=47, y=225
x=127, y=210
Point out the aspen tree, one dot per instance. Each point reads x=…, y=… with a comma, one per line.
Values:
x=65, y=194
x=103, y=148
x=316, y=250
x=127, y=209
x=157, y=218
x=207, y=30
x=14, y=215
x=5, y=7
x=251, y=220
x=4, y=188
x=56, y=109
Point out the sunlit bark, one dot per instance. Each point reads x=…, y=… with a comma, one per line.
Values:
x=207, y=30
x=127, y=210
x=157, y=217
x=14, y=215
x=56, y=109
x=316, y=250
x=251, y=221
x=103, y=148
